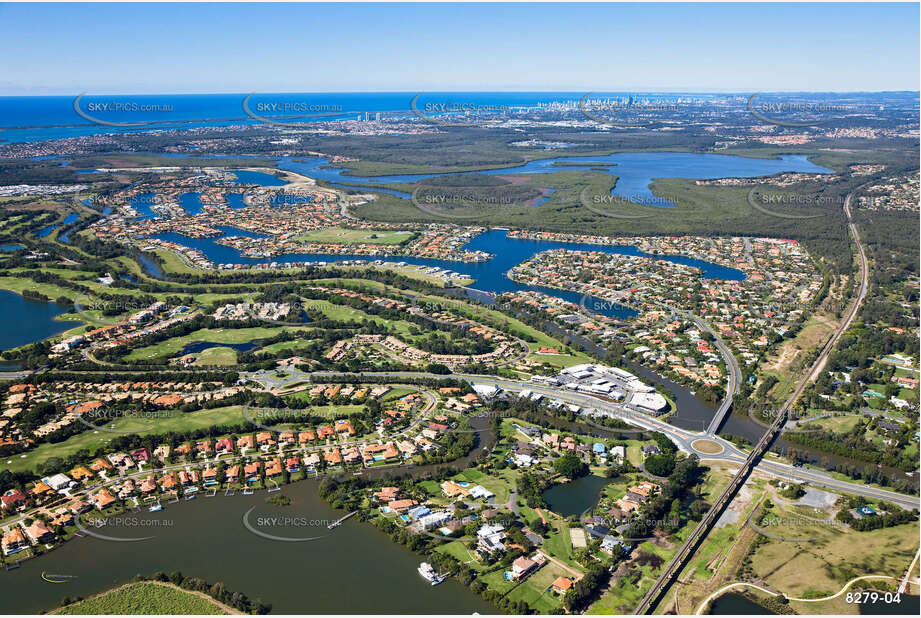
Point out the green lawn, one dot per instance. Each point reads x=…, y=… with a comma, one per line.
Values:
x=216, y=356
x=172, y=346
x=93, y=440
x=345, y=236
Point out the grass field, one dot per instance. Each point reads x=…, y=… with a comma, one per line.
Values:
x=216, y=356
x=145, y=598
x=820, y=567
x=346, y=236
x=172, y=346
x=92, y=439
x=785, y=363
x=176, y=421
x=171, y=262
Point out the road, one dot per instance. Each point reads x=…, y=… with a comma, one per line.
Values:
x=684, y=439
x=700, y=532
x=819, y=365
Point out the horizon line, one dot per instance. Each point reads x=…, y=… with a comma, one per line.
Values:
x=413, y=92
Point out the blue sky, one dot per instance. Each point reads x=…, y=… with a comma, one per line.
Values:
x=191, y=48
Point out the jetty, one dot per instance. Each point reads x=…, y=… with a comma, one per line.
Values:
x=339, y=521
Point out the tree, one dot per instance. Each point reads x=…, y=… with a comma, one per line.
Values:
x=660, y=465
x=569, y=465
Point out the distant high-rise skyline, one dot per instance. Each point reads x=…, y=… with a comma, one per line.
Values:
x=197, y=48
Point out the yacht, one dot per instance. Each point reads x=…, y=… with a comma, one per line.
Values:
x=426, y=571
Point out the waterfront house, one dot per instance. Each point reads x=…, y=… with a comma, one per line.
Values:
x=521, y=567
x=103, y=499
x=251, y=472
x=148, y=485
x=273, y=468
x=400, y=506
x=79, y=506
x=39, y=532
x=450, y=489
x=168, y=481
x=62, y=517
x=332, y=457
x=293, y=464
x=351, y=455
x=386, y=494
x=13, y=541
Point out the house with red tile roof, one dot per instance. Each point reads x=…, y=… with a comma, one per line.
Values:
x=224, y=445
x=100, y=465
x=12, y=498
x=264, y=438
x=273, y=468
x=103, y=499
x=13, y=541
x=293, y=464
x=168, y=400
x=386, y=494
x=251, y=471
x=344, y=426
x=148, y=485
x=39, y=532
x=168, y=481
x=561, y=585
x=80, y=473
x=399, y=506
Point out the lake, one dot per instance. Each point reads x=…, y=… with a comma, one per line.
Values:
x=352, y=569
x=736, y=604
x=575, y=497
x=33, y=320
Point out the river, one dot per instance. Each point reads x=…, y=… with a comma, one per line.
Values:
x=634, y=170
x=352, y=569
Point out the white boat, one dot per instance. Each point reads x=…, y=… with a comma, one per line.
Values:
x=155, y=507
x=426, y=571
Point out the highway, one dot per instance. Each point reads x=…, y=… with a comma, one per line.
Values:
x=700, y=532
x=684, y=439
